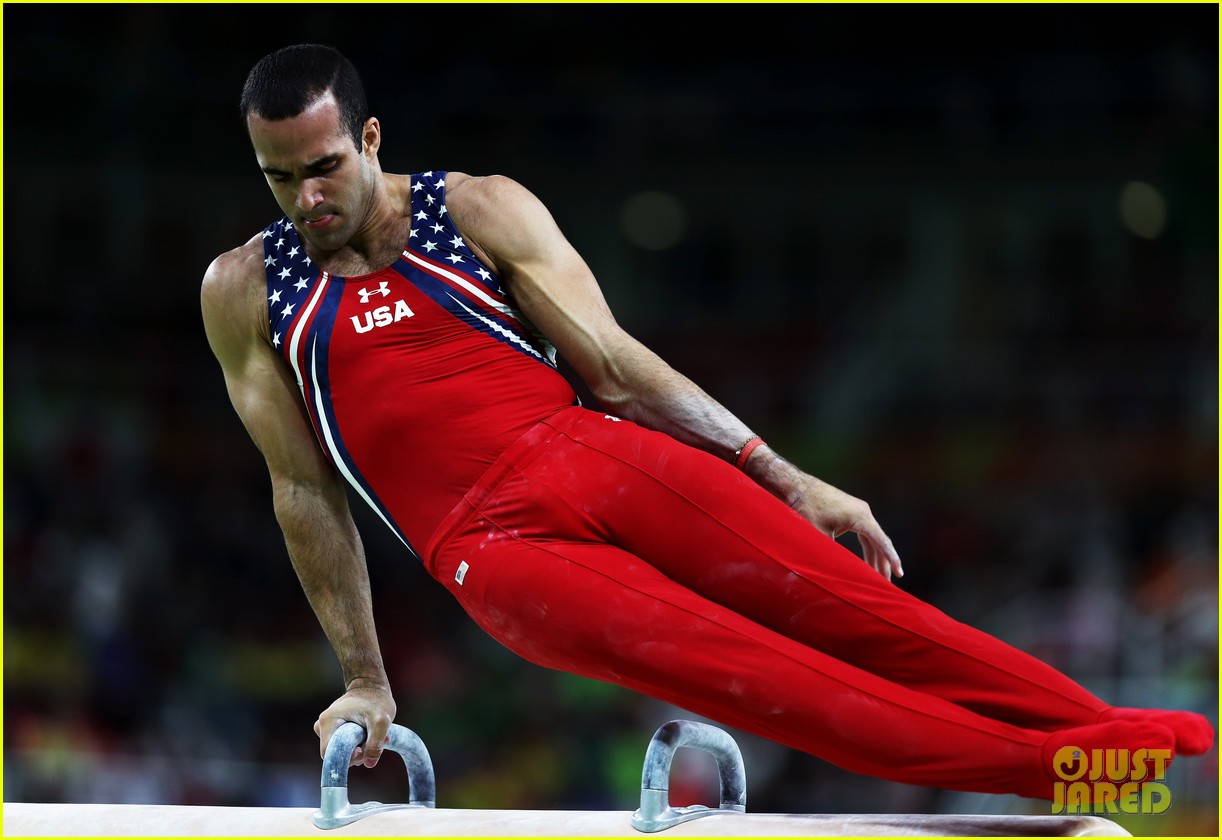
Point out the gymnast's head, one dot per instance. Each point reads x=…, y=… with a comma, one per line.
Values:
x=287, y=82
x=308, y=120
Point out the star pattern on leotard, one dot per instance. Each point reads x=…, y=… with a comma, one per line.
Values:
x=433, y=233
x=290, y=275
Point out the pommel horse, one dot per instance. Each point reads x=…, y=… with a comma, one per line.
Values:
x=419, y=816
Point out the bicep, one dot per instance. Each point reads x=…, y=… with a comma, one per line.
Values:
x=308, y=494
x=552, y=284
x=267, y=400
x=263, y=392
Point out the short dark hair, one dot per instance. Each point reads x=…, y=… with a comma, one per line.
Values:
x=286, y=82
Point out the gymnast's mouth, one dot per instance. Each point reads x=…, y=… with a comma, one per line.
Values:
x=319, y=223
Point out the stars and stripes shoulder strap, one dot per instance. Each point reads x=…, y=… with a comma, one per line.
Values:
x=290, y=274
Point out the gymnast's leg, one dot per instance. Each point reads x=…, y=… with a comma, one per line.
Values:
x=598, y=611
x=707, y=526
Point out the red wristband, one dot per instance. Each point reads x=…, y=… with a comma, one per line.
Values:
x=744, y=451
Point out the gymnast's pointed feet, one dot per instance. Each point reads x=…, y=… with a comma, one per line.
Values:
x=1131, y=735
x=1193, y=733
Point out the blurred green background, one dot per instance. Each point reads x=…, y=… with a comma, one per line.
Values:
x=959, y=260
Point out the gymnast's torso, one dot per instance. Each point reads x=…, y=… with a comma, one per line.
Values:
x=417, y=376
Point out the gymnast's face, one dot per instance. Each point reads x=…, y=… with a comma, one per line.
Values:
x=321, y=181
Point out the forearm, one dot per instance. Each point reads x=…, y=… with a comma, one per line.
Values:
x=671, y=403
x=329, y=559
x=639, y=386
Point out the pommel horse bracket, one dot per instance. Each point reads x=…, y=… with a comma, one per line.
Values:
x=656, y=813
x=336, y=811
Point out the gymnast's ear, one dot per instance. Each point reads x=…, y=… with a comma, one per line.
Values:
x=371, y=137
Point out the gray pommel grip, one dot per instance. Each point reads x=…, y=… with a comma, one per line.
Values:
x=335, y=810
x=655, y=813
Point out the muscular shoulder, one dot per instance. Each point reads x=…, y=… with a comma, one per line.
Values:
x=235, y=270
x=232, y=295
x=498, y=216
x=481, y=196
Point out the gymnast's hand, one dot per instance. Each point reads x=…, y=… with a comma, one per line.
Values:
x=366, y=704
x=835, y=512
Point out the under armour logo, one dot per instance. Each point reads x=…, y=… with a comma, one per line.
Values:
x=380, y=290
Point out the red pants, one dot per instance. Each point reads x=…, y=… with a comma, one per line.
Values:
x=598, y=547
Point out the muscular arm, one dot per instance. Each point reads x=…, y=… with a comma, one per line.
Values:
x=308, y=495
x=558, y=292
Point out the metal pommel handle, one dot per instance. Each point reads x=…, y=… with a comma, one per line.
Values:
x=335, y=809
x=655, y=813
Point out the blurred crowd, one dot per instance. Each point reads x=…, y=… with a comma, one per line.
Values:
x=941, y=306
